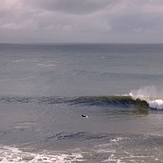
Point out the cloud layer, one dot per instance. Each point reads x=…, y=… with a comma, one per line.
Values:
x=81, y=20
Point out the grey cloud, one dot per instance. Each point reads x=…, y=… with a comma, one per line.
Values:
x=136, y=22
x=72, y=6
x=81, y=20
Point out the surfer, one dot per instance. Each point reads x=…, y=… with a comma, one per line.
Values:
x=85, y=116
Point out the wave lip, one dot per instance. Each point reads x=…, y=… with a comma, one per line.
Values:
x=153, y=103
x=148, y=94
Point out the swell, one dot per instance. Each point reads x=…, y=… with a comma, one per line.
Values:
x=119, y=101
x=81, y=136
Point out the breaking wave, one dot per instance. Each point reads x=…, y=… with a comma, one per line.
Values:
x=143, y=97
x=149, y=95
x=119, y=101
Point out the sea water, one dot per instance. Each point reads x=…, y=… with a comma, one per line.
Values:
x=88, y=103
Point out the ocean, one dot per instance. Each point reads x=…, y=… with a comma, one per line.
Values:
x=87, y=103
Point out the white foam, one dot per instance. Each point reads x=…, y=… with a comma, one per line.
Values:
x=116, y=139
x=12, y=154
x=112, y=158
x=106, y=151
x=156, y=104
x=149, y=95
x=46, y=65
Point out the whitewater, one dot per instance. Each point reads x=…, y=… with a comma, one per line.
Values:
x=148, y=94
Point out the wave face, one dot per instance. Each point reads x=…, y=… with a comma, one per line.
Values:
x=119, y=101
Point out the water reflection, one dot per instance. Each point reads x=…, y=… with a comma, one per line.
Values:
x=140, y=110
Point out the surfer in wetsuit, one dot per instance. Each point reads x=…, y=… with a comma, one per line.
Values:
x=85, y=116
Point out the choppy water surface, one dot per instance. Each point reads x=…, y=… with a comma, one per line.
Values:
x=81, y=103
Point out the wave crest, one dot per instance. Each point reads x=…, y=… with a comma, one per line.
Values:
x=118, y=101
x=149, y=95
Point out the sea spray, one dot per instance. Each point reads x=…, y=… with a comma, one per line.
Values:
x=148, y=94
x=144, y=92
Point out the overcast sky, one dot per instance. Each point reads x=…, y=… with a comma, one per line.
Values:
x=96, y=21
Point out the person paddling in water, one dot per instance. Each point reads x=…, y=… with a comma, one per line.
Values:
x=85, y=116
